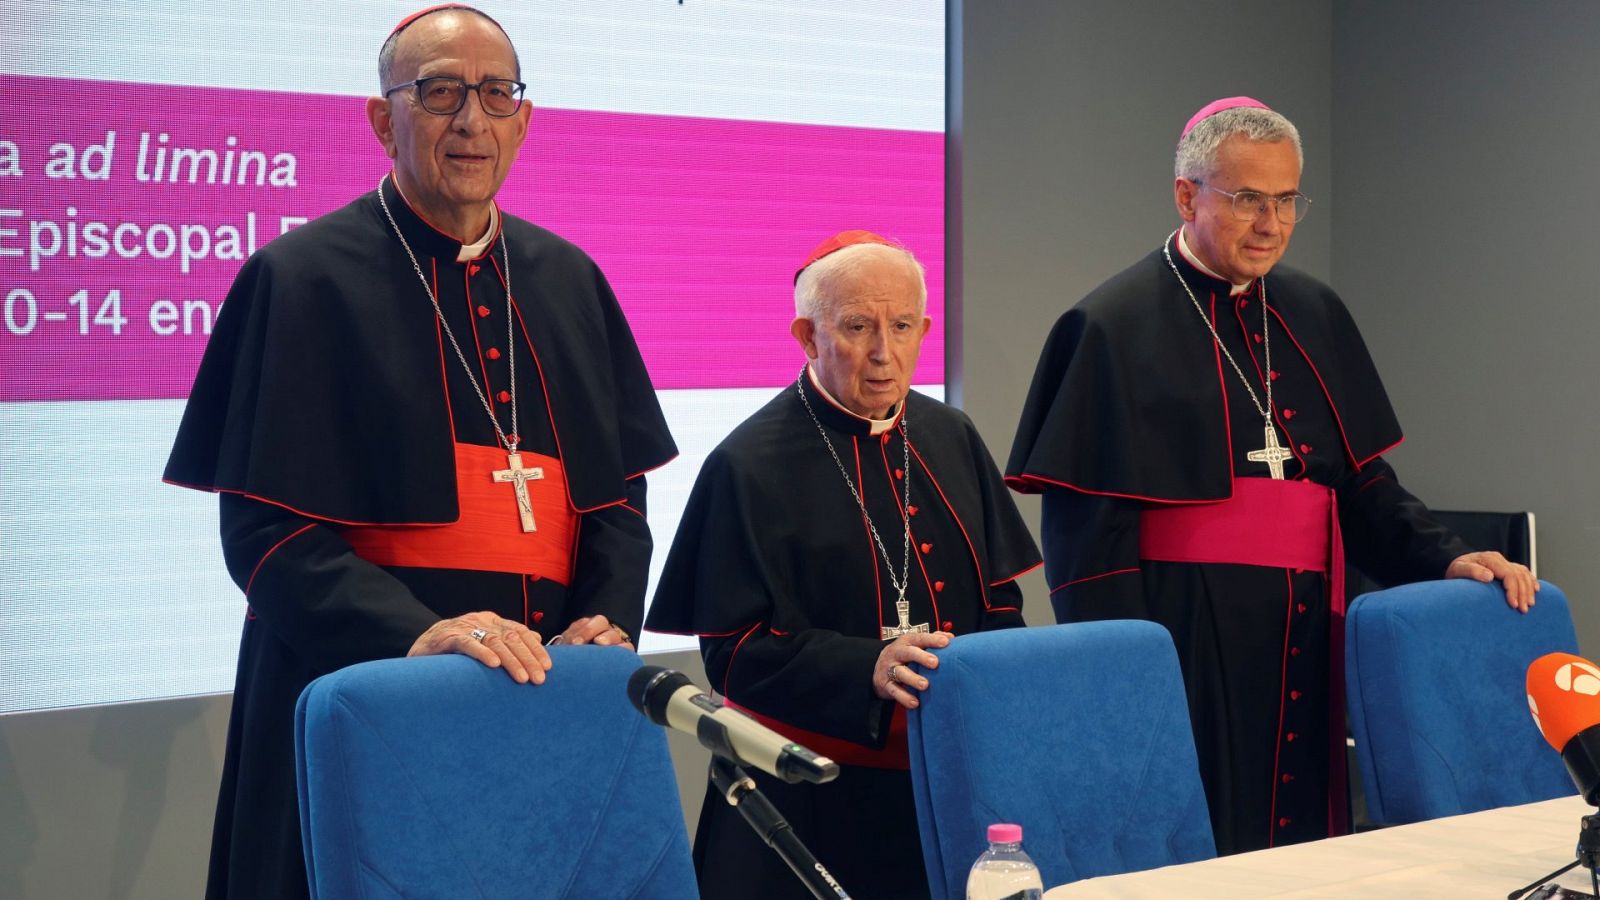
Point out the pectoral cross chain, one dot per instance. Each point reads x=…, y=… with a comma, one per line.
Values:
x=519, y=477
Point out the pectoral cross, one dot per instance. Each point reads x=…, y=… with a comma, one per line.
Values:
x=1272, y=454
x=903, y=608
x=519, y=478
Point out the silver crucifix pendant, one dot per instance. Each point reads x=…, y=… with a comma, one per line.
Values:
x=519, y=478
x=1272, y=454
x=903, y=608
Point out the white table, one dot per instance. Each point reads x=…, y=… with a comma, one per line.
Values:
x=1486, y=854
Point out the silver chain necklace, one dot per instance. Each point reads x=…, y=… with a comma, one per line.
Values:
x=1273, y=454
x=510, y=441
x=514, y=474
x=901, y=604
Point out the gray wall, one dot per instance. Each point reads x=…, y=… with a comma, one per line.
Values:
x=1465, y=139
x=1479, y=117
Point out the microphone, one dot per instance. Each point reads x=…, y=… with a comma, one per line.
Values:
x=1564, y=698
x=667, y=697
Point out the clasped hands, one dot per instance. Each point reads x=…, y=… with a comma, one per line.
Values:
x=892, y=677
x=509, y=644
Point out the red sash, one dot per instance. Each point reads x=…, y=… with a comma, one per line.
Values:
x=1277, y=524
x=488, y=536
x=894, y=755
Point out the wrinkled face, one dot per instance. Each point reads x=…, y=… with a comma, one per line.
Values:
x=865, y=343
x=450, y=167
x=1240, y=250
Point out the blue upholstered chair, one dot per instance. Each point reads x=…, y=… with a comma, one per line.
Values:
x=1079, y=733
x=1435, y=674
x=438, y=777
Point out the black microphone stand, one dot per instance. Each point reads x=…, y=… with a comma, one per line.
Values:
x=1588, y=857
x=739, y=789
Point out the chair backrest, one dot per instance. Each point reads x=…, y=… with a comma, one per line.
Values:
x=1079, y=733
x=440, y=777
x=1435, y=676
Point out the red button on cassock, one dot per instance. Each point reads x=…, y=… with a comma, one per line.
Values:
x=927, y=548
x=483, y=312
x=938, y=586
x=503, y=396
x=948, y=626
x=538, y=615
x=1305, y=448
x=492, y=353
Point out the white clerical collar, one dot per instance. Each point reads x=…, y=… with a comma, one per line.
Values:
x=879, y=426
x=1183, y=247
x=475, y=249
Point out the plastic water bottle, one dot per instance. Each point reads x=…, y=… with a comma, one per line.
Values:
x=1004, y=872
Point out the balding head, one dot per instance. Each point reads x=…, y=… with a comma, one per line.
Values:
x=824, y=281
x=390, y=50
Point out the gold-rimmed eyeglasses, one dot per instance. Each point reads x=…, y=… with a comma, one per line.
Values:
x=444, y=95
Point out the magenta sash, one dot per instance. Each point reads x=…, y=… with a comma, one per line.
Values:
x=1276, y=524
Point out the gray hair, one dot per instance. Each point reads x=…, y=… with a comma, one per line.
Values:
x=1197, y=150
x=816, y=291
x=387, y=52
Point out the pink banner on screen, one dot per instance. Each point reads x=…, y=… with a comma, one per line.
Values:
x=126, y=210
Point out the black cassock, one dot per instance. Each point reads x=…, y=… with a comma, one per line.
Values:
x=775, y=569
x=330, y=399
x=1133, y=407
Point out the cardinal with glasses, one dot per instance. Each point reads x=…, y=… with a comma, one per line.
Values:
x=429, y=427
x=832, y=539
x=1208, y=431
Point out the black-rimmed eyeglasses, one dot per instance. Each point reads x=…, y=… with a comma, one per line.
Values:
x=444, y=95
x=1247, y=205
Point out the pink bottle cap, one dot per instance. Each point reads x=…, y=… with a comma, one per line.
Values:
x=1005, y=834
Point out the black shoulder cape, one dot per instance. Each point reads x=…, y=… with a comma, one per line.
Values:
x=325, y=361
x=771, y=534
x=1128, y=401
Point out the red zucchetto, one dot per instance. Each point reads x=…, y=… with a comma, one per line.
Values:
x=436, y=8
x=842, y=240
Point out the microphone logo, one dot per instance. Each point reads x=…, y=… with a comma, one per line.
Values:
x=1578, y=677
